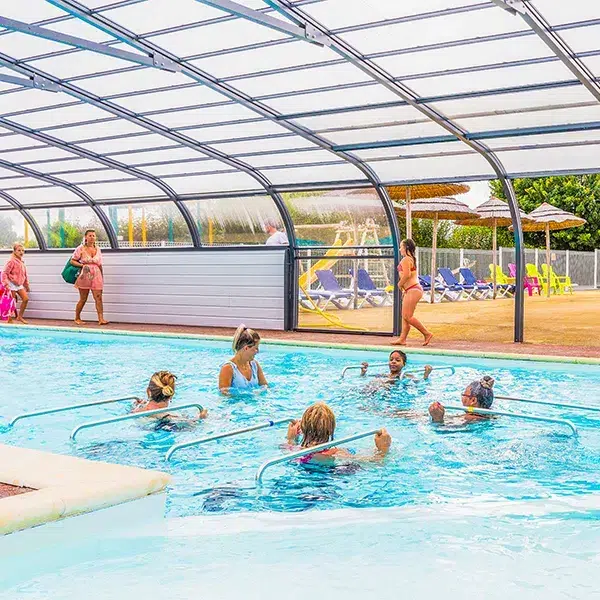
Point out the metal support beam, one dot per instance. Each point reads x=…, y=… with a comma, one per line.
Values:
x=302, y=32
x=154, y=60
x=110, y=232
x=386, y=80
x=549, y=36
x=39, y=236
x=32, y=82
x=113, y=164
x=106, y=25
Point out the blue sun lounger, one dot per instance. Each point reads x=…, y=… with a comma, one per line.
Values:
x=368, y=290
x=454, y=285
x=332, y=292
x=483, y=290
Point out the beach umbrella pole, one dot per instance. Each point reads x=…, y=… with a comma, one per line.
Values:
x=495, y=256
x=548, y=259
x=433, y=257
x=408, y=215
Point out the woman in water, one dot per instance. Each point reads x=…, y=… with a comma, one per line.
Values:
x=412, y=292
x=396, y=363
x=88, y=258
x=478, y=394
x=159, y=393
x=317, y=426
x=242, y=372
x=14, y=279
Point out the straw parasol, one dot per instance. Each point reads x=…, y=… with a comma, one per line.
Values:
x=436, y=209
x=493, y=213
x=549, y=218
x=423, y=190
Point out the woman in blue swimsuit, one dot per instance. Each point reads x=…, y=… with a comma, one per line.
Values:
x=242, y=372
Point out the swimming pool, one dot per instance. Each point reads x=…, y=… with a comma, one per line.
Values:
x=432, y=483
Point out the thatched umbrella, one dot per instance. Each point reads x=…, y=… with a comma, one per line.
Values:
x=493, y=213
x=448, y=209
x=423, y=190
x=549, y=218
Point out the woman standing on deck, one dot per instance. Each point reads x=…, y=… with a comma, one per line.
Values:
x=88, y=258
x=14, y=278
x=412, y=292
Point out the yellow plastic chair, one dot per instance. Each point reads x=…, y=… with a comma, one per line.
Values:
x=505, y=285
x=532, y=271
x=559, y=283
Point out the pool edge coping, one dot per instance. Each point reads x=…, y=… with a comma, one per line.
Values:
x=316, y=344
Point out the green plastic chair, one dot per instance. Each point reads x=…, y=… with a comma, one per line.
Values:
x=560, y=283
x=532, y=271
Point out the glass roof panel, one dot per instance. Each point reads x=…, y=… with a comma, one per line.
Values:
x=307, y=79
x=27, y=99
x=136, y=188
x=197, y=184
x=391, y=132
x=51, y=194
x=21, y=46
x=188, y=167
x=173, y=152
x=566, y=12
x=346, y=13
x=131, y=81
x=34, y=153
x=30, y=11
x=14, y=181
x=440, y=148
x=69, y=114
x=266, y=144
x=367, y=94
x=231, y=132
x=55, y=166
x=472, y=55
x=149, y=225
x=446, y=28
x=491, y=79
x=593, y=64
x=204, y=116
x=312, y=174
x=227, y=34
x=434, y=168
x=10, y=141
x=289, y=158
x=98, y=174
x=234, y=221
x=582, y=39
x=514, y=100
x=65, y=227
x=93, y=131
x=292, y=54
x=14, y=228
x=191, y=95
x=545, y=160
x=547, y=140
x=137, y=142
x=75, y=64
x=540, y=118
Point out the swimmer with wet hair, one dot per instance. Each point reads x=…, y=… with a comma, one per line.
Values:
x=242, y=371
x=317, y=426
x=159, y=392
x=397, y=362
x=478, y=394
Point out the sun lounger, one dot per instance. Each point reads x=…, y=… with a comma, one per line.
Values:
x=455, y=286
x=441, y=290
x=331, y=290
x=482, y=290
x=367, y=289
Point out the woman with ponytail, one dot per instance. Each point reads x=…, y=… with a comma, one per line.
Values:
x=159, y=393
x=412, y=292
x=242, y=372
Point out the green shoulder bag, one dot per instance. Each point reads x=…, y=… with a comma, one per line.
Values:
x=70, y=273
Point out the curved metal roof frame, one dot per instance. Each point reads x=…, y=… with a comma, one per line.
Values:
x=39, y=236
x=110, y=232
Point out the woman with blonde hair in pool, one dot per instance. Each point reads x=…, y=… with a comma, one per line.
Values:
x=159, y=392
x=317, y=426
x=412, y=292
x=242, y=372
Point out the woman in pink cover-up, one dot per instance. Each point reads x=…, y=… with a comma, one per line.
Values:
x=89, y=259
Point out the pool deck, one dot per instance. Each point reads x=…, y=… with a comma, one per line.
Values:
x=458, y=347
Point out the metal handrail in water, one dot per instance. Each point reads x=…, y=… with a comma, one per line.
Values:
x=220, y=436
x=130, y=416
x=360, y=367
x=546, y=403
x=311, y=450
x=49, y=411
x=433, y=369
x=485, y=411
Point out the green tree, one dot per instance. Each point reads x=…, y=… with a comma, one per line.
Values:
x=578, y=194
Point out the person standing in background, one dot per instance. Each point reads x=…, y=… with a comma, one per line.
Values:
x=88, y=258
x=276, y=237
x=14, y=278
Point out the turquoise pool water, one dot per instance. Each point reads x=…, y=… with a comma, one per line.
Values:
x=427, y=465
x=502, y=509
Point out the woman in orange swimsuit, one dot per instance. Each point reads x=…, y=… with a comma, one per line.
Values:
x=412, y=292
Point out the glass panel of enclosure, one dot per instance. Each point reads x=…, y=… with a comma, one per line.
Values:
x=65, y=227
x=235, y=221
x=14, y=228
x=149, y=225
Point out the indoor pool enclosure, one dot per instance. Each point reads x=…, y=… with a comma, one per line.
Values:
x=189, y=134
